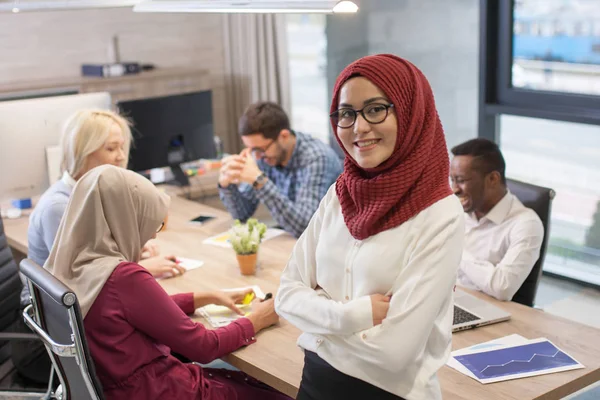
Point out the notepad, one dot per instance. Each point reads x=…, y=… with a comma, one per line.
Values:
x=494, y=362
x=222, y=240
x=187, y=263
x=218, y=316
x=257, y=291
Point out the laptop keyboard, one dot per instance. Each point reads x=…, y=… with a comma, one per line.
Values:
x=462, y=316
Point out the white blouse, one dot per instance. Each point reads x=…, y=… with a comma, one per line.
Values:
x=326, y=285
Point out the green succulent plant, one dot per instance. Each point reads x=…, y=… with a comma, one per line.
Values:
x=245, y=238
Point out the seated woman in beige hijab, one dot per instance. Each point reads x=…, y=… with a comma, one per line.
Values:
x=130, y=323
x=90, y=138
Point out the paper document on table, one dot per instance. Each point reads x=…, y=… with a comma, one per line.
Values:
x=513, y=339
x=255, y=288
x=494, y=362
x=187, y=263
x=222, y=239
x=219, y=316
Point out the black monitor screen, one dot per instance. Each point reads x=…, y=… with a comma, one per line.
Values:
x=170, y=130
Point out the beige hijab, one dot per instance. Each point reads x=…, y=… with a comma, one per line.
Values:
x=111, y=214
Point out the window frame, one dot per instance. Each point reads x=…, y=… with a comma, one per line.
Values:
x=498, y=97
x=496, y=93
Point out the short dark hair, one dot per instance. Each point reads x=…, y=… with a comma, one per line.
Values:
x=264, y=117
x=486, y=154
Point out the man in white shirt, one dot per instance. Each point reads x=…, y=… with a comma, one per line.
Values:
x=503, y=237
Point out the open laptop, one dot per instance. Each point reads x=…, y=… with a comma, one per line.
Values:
x=471, y=312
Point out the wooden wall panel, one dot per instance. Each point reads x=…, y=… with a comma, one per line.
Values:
x=53, y=45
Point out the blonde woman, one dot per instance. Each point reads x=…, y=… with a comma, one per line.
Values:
x=90, y=138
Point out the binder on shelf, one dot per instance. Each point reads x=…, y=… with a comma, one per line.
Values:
x=110, y=70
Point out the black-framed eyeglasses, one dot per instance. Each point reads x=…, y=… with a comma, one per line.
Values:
x=374, y=113
x=160, y=228
x=259, y=154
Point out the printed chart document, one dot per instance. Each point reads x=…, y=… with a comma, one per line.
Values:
x=511, y=357
x=513, y=339
x=222, y=239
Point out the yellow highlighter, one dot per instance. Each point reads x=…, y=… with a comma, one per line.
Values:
x=248, y=298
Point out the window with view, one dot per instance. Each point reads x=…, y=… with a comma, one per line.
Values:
x=565, y=157
x=556, y=45
x=307, y=45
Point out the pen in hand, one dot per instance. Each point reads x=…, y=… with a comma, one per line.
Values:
x=267, y=297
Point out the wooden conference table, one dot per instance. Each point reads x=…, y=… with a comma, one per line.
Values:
x=276, y=360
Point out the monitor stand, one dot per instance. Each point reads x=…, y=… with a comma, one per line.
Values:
x=179, y=176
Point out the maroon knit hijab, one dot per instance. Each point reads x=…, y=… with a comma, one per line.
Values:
x=416, y=174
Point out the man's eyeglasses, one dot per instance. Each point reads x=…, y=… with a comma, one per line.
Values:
x=160, y=228
x=258, y=153
x=375, y=113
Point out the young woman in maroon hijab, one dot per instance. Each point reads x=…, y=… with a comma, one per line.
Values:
x=370, y=280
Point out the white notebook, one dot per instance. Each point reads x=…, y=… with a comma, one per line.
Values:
x=218, y=316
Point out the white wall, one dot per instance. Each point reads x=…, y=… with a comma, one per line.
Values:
x=439, y=37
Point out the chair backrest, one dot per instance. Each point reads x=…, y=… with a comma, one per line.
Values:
x=55, y=316
x=10, y=289
x=539, y=199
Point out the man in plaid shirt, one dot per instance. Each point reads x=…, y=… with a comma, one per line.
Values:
x=289, y=172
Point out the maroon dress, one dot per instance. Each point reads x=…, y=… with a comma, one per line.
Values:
x=131, y=329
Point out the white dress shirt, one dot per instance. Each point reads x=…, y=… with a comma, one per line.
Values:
x=325, y=291
x=500, y=248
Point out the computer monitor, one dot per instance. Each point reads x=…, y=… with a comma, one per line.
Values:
x=170, y=130
x=27, y=128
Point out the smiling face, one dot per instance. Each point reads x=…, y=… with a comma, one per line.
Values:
x=468, y=184
x=112, y=152
x=369, y=144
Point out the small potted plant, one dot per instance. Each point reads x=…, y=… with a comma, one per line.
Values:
x=245, y=239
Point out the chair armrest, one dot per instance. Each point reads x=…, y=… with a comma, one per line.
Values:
x=18, y=336
x=63, y=350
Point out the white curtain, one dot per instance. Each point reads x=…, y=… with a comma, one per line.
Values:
x=256, y=66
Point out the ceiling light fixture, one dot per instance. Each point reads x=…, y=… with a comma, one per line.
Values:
x=247, y=6
x=53, y=5
x=345, y=6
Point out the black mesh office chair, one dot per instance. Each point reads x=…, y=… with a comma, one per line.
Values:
x=55, y=317
x=539, y=199
x=10, y=290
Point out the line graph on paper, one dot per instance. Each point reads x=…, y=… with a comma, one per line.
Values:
x=529, y=359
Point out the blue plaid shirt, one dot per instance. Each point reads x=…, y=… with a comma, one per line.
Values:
x=293, y=193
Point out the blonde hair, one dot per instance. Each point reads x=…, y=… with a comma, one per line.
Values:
x=85, y=132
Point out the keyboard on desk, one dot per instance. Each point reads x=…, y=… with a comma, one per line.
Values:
x=461, y=316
